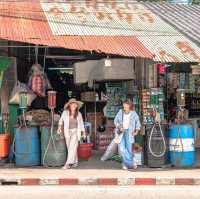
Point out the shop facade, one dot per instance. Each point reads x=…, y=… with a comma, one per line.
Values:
x=102, y=71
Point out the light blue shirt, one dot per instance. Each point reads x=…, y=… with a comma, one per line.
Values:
x=134, y=123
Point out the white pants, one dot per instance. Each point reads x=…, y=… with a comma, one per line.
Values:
x=72, y=146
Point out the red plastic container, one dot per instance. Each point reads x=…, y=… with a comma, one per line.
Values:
x=4, y=145
x=85, y=151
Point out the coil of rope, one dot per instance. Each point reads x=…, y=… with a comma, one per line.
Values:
x=157, y=121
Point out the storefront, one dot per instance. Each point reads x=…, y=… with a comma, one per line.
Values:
x=145, y=60
x=103, y=85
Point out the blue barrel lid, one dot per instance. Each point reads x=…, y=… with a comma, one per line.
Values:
x=186, y=131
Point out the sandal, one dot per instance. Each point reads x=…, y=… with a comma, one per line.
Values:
x=66, y=167
x=124, y=167
x=75, y=165
x=135, y=166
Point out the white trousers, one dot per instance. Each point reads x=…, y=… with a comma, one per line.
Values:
x=72, y=146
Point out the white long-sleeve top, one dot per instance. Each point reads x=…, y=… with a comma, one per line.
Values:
x=64, y=120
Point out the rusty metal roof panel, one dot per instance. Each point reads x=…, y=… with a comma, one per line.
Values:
x=185, y=18
x=172, y=48
x=105, y=18
x=25, y=22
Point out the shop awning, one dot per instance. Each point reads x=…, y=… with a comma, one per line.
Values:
x=112, y=27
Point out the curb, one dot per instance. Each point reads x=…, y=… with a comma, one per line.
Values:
x=100, y=181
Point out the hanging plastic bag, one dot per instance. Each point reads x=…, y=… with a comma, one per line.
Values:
x=20, y=87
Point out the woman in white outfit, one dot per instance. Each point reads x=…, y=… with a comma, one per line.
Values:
x=71, y=122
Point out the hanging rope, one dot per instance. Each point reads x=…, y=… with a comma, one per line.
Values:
x=44, y=61
x=36, y=54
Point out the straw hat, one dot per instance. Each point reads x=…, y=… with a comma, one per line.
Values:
x=73, y=100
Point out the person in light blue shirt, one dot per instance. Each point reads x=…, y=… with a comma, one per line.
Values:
x=127, y=125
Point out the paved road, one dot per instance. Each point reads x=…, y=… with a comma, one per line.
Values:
x=94, y=192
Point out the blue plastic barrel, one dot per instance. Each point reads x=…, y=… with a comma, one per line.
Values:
x=181, y=145
x=27, y=146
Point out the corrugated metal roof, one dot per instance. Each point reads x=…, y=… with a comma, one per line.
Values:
x=172, y=48
x=185, y=18
x=25, y=22
x=82, y=18
x=86, y=17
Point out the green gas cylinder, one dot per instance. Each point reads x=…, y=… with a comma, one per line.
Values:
x=53, y=148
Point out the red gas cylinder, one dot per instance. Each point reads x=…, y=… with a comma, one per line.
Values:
x=37, y=85
x=85, y=151
x=4, y=145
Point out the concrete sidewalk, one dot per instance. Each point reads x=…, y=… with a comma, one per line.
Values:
x=95, y=172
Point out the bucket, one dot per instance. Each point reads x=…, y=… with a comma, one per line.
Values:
x=4, y=145
x=181, y=145
x=85, y=151
x=27, y=146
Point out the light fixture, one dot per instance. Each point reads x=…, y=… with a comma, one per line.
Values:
x=108, y=62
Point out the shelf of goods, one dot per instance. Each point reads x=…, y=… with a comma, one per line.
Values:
x=186, y=81
x=152, y=98
x=103, y=139
x=116, y=93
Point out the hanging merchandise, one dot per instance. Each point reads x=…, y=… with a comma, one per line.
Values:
x=195, y=69
x=38, y=81
x=151, y=74
x=38, y=85
x=151, y=99
x=182, y=80
x=116, y=93
x=191, y=83
x=180, y=94
x=19, y=88
x=173, y=80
